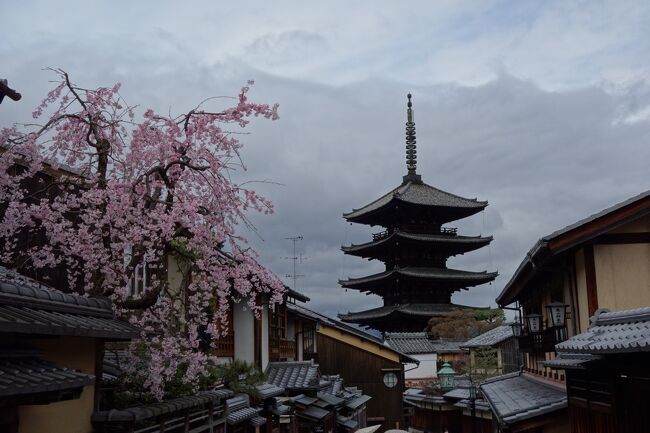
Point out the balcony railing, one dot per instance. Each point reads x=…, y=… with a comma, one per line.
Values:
x=451, y=231
x=225, y=346
x=381, y=235
x=281, y=349
x=542, y=342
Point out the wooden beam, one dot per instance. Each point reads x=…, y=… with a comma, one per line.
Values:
x=590, y=276
x=623, y=238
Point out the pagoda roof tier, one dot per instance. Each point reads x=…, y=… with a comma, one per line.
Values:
x=439, y=206
x=384, y=244
x=448, y=278
x=386, y=317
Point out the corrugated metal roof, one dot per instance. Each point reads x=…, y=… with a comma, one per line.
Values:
x=612, y=332
x=491, y=337
x=24, y=372
x=410, y=342
x=516, y=397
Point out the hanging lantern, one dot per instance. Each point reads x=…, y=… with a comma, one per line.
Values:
x=534, y=322
x=557, y=313
x=447, y=377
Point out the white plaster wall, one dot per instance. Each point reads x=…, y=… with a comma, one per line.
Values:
x=244, y=328
x=426, y=369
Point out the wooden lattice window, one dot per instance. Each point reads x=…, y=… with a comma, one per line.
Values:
x=278, y=322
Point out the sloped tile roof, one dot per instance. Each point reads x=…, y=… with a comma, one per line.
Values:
x=491, y=337
x=26, y=306
x=407, y=309
x=516, y=397
x=268, y=390
x=294, y=375
x=571, y=361
x=410, y=342
x=449, y=345
x=613, y=332
x=24, y=372
x=419, y=194
x=154, y=410
x=465, y=278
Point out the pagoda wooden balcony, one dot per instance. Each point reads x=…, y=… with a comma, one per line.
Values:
x=542, y=342
x=381, y=235
x=225, y=347
x=451, y=231
x=281, y=349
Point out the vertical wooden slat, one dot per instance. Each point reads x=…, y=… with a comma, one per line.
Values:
x=590, y=276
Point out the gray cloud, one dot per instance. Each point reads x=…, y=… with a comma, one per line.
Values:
x=543, y=158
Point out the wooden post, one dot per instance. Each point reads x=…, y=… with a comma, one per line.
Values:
x=186, y=427
x=211, y=417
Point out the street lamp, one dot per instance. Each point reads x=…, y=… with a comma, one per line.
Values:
x=534, y=322
x=447, y=377
x=472, y=400
x=557, y=314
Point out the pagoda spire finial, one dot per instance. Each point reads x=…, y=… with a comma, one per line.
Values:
x=411, y=151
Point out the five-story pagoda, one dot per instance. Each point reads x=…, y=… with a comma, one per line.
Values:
x=415, y=246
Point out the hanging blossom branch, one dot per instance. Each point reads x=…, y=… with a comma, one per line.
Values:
x=110, y=194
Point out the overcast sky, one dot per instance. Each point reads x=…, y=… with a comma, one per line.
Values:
x=541, y=108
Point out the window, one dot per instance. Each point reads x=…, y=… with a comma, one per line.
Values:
x=278, y=322
x=390, y=379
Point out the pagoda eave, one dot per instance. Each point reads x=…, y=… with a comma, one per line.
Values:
x=450, y=278
x=450, y=245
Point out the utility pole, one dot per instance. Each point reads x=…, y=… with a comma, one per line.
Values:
x=295, y=258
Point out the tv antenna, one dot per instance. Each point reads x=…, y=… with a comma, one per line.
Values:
x=296, y=258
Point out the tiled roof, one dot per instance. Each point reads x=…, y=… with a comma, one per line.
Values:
x=492, y=337
x=315, y=413
x=418, y=194
x=613, y=332
x=29, y=307
x=356, y=402
x=449, y=345
x=462, y=242
x=268, y=390
x=410, y=342
x=257, y=421
x=457, y=393
x=154, y=410
x=24, y=372
x=465, y=278
x=294, y=375
x=571, y=361
x=516, y=397
x=427, y=310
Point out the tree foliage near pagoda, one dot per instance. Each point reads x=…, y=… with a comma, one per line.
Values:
x=125, y=192
x=465, y=323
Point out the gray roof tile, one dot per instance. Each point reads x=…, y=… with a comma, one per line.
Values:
x=571, y=361
x=294, y=375
x=410, y=342
x=24, y=372
x=419, y=194
x=612, y=332
x=268, y=390
x=491, y=337
x=407, y=309
x=466, y=278
x=516, y=397
x=26, y=306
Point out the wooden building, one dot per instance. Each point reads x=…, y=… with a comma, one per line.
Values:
x=494, y=352
x=414, y=246
x=602, y=261
x=362, y=360
x=608, y=373
x=51, y=351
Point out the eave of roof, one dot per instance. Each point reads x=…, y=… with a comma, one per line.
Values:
x=435, y=239
x=612, y=333
x=492, y=337
x=570, y=237
x=426, y=310
x=321, y=318
x=417, y=193
x=464, y=278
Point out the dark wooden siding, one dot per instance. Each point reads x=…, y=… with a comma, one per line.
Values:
x=364, y=370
